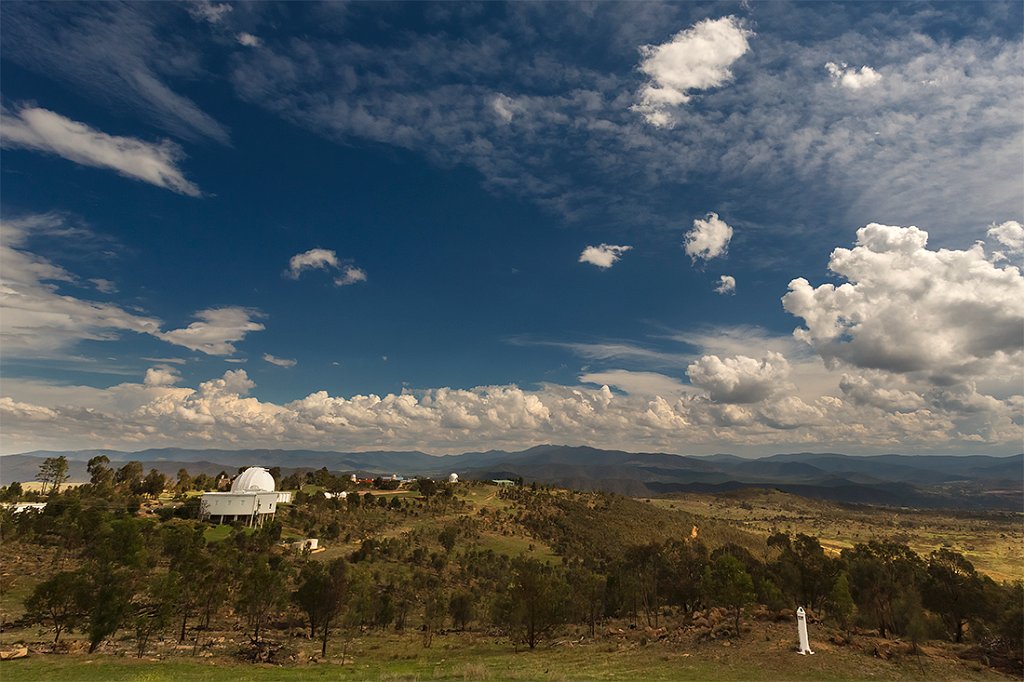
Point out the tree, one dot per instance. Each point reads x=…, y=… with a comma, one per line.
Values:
x=427, y=487
x=185, y=481
x=435, y=604
x=840, y=602
x=129, y=476
x=447, y=538
x=100, y=475
x=153, y=484
x=53, y=472
x=953, y=590
x=461, y=609
x=880, y=573
x=727, y=584
x=59, y=600
x=261, y=592
x=534, y=603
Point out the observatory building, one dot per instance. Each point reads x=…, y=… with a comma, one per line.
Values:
x=252, y=499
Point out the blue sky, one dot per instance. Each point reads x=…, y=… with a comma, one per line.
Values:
x=458, y=226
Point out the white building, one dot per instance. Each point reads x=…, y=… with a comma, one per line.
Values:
x=252, y=499
x=453, y=478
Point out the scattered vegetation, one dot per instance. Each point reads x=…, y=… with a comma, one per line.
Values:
x=123, y=565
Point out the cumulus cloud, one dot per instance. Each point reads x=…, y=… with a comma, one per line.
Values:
x=739, y=379
x=708, y=239
x=907, y=309
x=325, y=259
x=603, y=255
x=852, y=78
x=46, y=131
x=656, y=413
x=726, y=285
x=314, y=259
x=216, y=330
x=1010, y=235
x=697, y=58
x=161, y=376
x=248, y=40
x=350, y=274
x=280, y=362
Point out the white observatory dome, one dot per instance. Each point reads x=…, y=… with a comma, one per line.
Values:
x=253, y=480
x=453, y=478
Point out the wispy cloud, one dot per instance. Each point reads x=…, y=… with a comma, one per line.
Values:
x=280, y=362
x=46, y=131
x=215, y=330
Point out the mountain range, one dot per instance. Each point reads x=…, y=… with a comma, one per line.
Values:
x=927, y=481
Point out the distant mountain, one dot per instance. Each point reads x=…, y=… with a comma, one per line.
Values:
x=975, y=481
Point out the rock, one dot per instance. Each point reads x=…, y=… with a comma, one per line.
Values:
x=17, y=652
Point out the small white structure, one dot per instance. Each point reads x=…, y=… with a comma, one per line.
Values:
x=18, y=507
x=307, y=545
x=353, y=478
x=453, y=478
x=801, y=629
x=252, y=499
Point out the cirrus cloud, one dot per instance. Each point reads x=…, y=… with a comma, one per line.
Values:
x=47, y=131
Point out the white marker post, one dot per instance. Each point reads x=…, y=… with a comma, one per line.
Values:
x=801, y=628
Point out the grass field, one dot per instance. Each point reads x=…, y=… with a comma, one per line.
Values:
x=994, y=542
x=765, y=654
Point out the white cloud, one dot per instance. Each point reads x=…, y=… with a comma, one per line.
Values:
x=943, y=315
x=739, y=379
x=280, y=362
x=695, y=59
x=708, y=239
x=46, y=131
x=726, y=285
x=216, y=330
x=37, y=319
x=1010, y=234
x=161, y=376
x=852, y=78
x=666, y=417
x=325, y=259
x=248, y=40
x=603, y=255
x=504, y=107
x=314, y=259
x=212, y=12
x=638, y=383
x=104, y=286
x=350, y=275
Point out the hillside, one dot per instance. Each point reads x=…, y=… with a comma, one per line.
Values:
x=924, y=481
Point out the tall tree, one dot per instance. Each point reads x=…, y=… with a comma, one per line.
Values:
x=953, y=590
x=727, y=584
x=53, y=472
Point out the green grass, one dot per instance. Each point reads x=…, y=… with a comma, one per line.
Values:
x=221, y=532
x=395, y=658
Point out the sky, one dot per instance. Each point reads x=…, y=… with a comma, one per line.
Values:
x=692, y=228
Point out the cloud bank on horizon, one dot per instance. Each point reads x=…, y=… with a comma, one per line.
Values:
x=464, y=159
